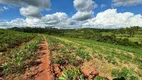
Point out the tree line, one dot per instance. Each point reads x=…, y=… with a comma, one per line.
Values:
x=93, y=34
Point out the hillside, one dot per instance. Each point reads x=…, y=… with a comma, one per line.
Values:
x=71, y=54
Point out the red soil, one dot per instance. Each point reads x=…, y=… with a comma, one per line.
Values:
x=45, y=68
x=89, y=72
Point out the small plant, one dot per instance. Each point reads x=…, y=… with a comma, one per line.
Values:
x=71, y=74
x=5, y=67
x=115, y=73
x=124, y=74
x=83, y=55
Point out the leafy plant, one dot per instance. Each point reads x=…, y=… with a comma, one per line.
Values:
x=83, y=55
x=71, y=74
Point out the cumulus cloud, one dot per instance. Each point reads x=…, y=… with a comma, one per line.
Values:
x=59, y=20
x=37, y=3
x=56, y=20
x=83, y=15
x=19, y=22
x=30, y=8
x=126, y=2
x=112, y=19
x=107, y=19
x=84, y=5
x=31, y=11
x=84, y=8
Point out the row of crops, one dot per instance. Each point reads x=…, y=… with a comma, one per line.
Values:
x=71, y=58
x=9, y=39
x=110, y=61
x=14, y=62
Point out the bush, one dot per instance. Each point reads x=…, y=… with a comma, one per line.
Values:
x=108, y=39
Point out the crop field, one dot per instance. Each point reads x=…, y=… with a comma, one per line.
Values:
x=108, y=60
x=28, y=56
x=70, y=39
x=10, y=39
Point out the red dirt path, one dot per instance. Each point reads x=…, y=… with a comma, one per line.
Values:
x=45, y=68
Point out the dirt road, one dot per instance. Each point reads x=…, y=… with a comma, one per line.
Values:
x=45, y=67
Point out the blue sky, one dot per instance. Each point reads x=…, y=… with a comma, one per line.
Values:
x=10, y=10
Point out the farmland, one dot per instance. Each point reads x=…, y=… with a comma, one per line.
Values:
x=10, y=39
x=74, y=54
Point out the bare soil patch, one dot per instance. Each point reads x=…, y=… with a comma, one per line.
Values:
x=43, y=71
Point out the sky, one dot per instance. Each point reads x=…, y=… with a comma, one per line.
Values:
x=70, y=14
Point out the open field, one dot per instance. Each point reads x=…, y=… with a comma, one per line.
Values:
x=70, y=39
x=109, y=60
x=68, y=58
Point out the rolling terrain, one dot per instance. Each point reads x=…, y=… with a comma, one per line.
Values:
x=70, y=55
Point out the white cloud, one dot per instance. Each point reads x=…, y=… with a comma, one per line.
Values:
x=30, y=8
x=126, y=2
x=112, y=19
x=83, y=15
x=107, y=19
x=56, y=20
x=19, y=22
x=37, y=3
x=31, y=11
x=84, y=5
x=84, y=8
x=33, y=22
